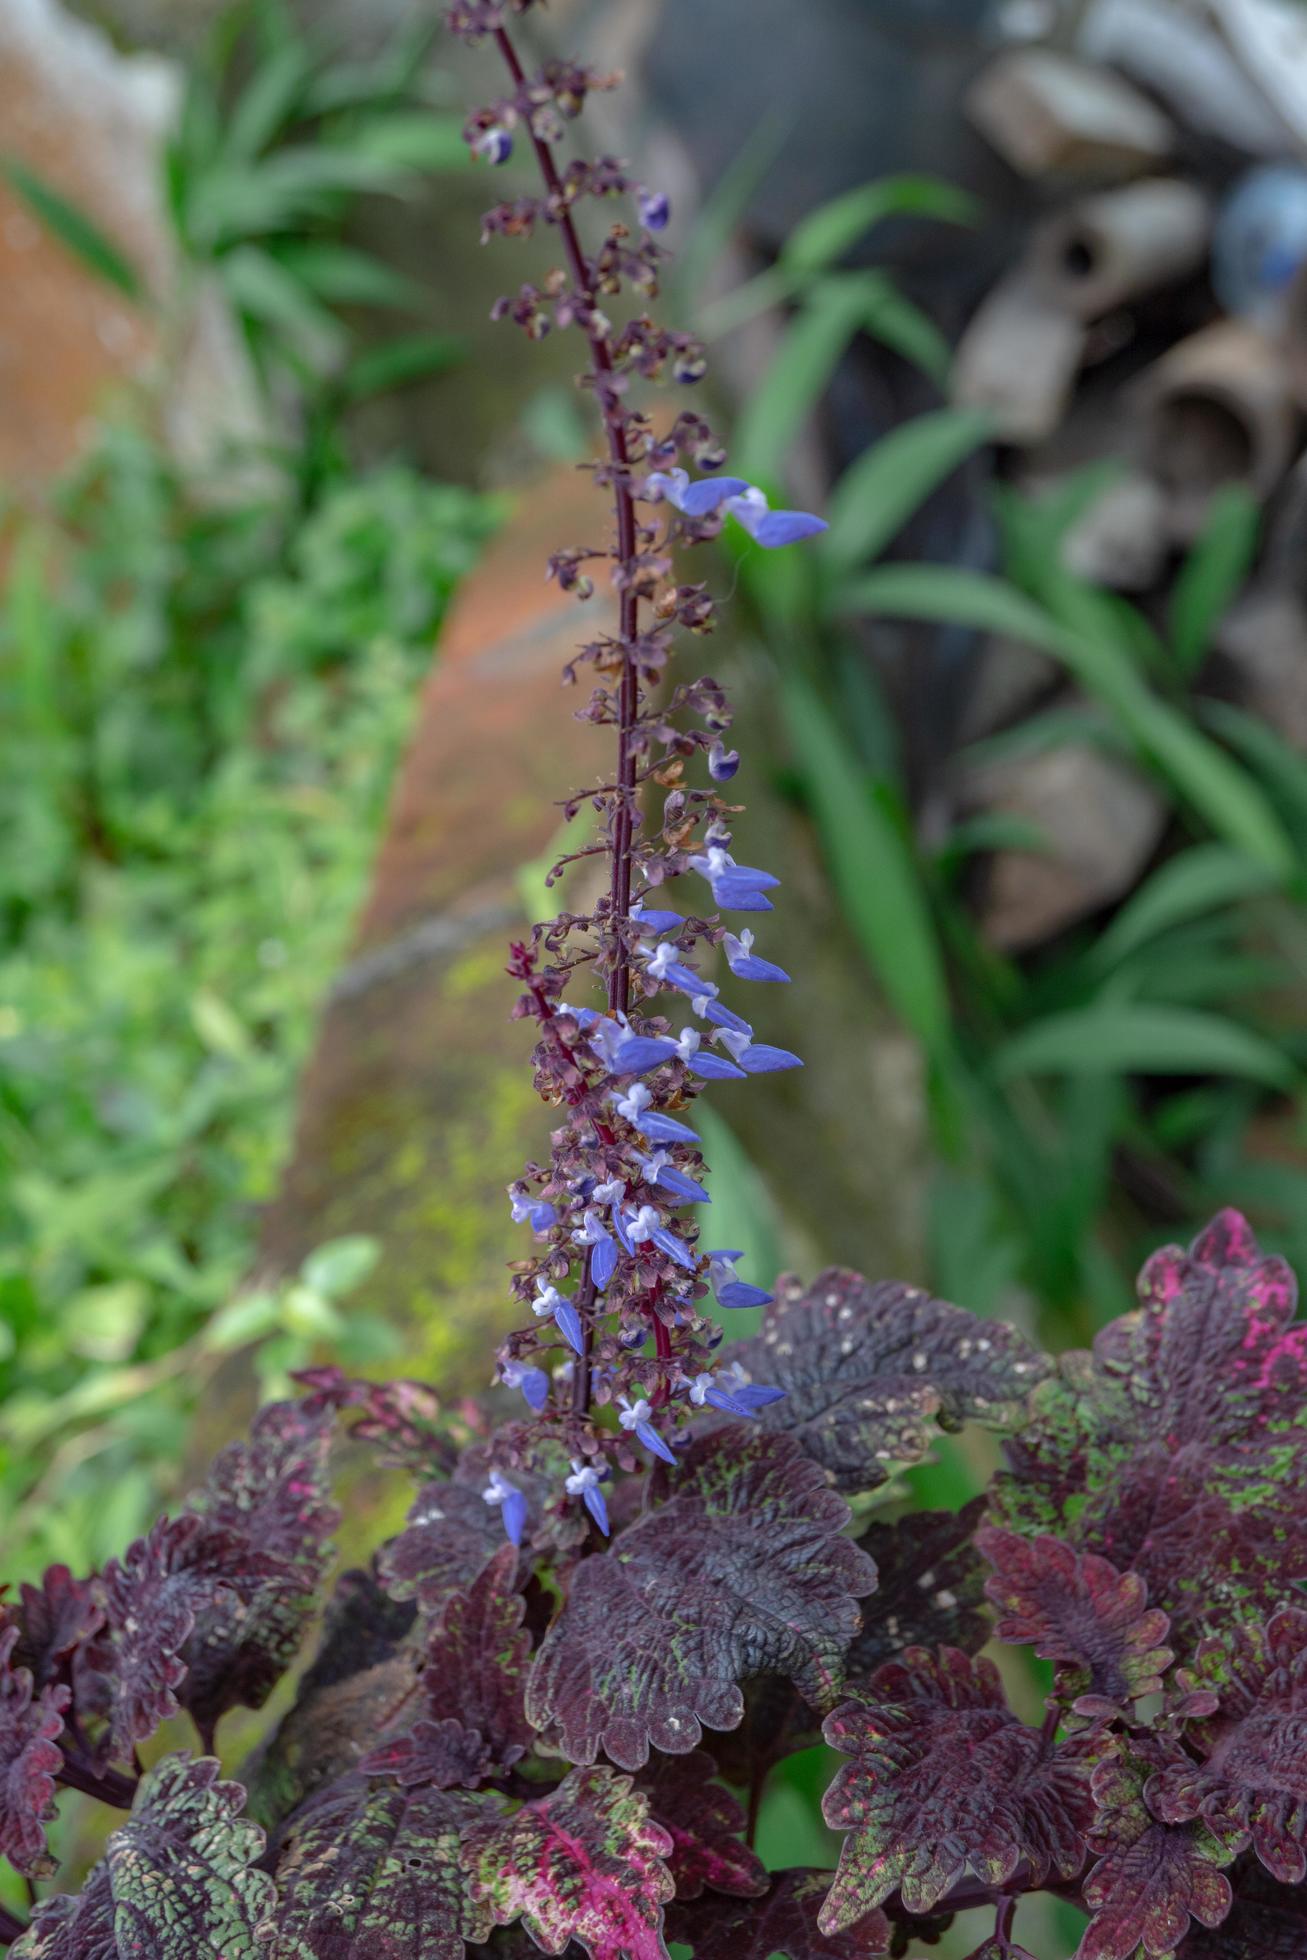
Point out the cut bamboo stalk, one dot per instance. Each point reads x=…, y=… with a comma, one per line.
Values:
x=1110, y=250
x=1218, y=410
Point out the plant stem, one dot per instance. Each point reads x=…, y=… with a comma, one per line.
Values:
x=628, y=693
x=11, y=1927
x=93, y=1780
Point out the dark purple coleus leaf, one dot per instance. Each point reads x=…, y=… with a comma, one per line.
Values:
x=273, y=1491
x=370, y=1871
x=1178, y=1448
x=945, y=1780
x=1150, y=1879
x=930, y=1591
x=868, y=1371
x=743, y=1571
x=31, y=1720
x=402, y=1417
x=1000, y=1950
x=441, y=1755
x=477, y=1661
x=176, y=1881
x=452, y=1534
x=1251, y=1783
x=1267, y=1921
x=705, y=1825
x=585, y=1863
x=151, y=1598
x=1076, y=1609
x=53, y=1620
x=785, y=1922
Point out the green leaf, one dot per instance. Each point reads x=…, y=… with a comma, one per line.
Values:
x=1280, y=767
x=408, y=139
x=831, y=230
x=340, y=1265
x=1223, y=793
x=1199, y=881
x=414, y=357
x=1213, y=574
x=343, y=277
x=231, y=204
x=878, y=494
x=75, y=231
x=722, y=211
x=1117, y=1037
x=796, y=380
x=899, y=324
x=268, y=101
x=875, y=872
x=262, y=288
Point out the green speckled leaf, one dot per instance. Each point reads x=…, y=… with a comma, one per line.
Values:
x=743, y=1571
x=945, y=1780
x=1178, y=1448
x=868, y=1372
x=175, y=1882
x=705, y=1825
x=371, y=1872
x=585, y=1863
x=1151, y=1879
x=783, y=1922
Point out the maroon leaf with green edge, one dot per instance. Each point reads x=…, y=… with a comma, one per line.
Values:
x=438, y=1755
x=1178, y=1448
x=1267, y=1921
x=1252, y=1780
x=151, y=1599
x=743, y=1571
x=586, y=1863
x=401, y=1417
x=53, y=1620
x=1076, y=1609
x=369, y=1871
x=30, y=1723
x=1150, y=1879
x=930, y=1589
x=273, y=1490
x=478, y=1658
x=705, y=1824
x=945, y=1780
x=868, y=1372
x=783, y=1922
x=177, y=1881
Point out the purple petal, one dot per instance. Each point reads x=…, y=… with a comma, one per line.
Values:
x=747, y=874
x=664, y=1129
x=655, y=209
x=675, y=1248
x=653, y=1442
x=780, y=527
x=740, y=898
x=514, y=1514
x=640, y=1052
x=714, y=1067
x=727, y=1403
x=725, y=1017
x=535, y=1387
x=738, y=1293
x=542, y=1216
x=750, y=967
x=720, y=1252
x=682, y=1186
x=704, y=497
x=594, y=1504
x=568, y=1323
x=722, y=762
x=603, y=1261
x=685, y=978
x=753, y=1396
x=649, y=921
x=619, y=1226
x=762, y=1060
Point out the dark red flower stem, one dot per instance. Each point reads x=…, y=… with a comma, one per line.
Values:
x=11, y=1928
x=628, y=697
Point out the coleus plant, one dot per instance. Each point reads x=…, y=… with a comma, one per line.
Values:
x=545, y=1716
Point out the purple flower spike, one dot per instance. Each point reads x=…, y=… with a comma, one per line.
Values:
x=494, y=145
x=584, y=1483
x=772, y=528
x=511, y=1503
x=654, y=208
x=745, y=963
x=722, y=762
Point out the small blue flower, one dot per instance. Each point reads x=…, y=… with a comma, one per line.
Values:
x=494, y=145
x=511, y=1502
x=735, y=887
x=663, y=964
x=584, y=1483
x=743, y=501
x=665, y=1129
x=659, y=1169
x=633, y=1104
x=745, y=963
x=694, y=499
x=654, y=208
x=722, y=762
x=722, y=1016
x=641, y=1052
x=603, y=1254
x=550, y=1304
x=533, y=1382
x=540, y=1214
x=634, y=1417
x=731, y=1291
x=692, y=1052
x=757, y=1058
x=655, y=921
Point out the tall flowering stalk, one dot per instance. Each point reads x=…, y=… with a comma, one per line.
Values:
x=619, y=1285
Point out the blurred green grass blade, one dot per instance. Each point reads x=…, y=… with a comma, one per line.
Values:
x=827, y=233
x=1186, y=887
x=1213, y=574
x=268, y=101
x=1282, y=768
x=231, y=203
x=1223, y=793
x=75, y=230
x=877, y=495
x=899, y=324
x=342, y=276
x=722, y=211
x=413, y=357
x=875, y=874
x=407, y=139
x=796, y=380
x=259, y=286
x=1120, y=1037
